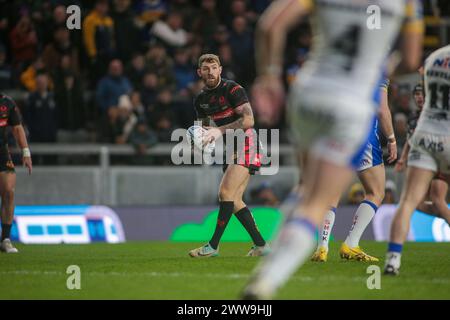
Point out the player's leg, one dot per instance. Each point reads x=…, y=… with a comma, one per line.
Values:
x=416, y=186
x=296, y=240
x=436, y=203
x=247, y=220
x=233, y=177
x=7, y=187
x=438, y=196
x=373, y=180
x=324, y=233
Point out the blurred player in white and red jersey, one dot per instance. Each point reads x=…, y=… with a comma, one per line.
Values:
x=436, y=202
x=331, y=107
x=429, y=154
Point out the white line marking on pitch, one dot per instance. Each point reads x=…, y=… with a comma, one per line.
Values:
x=212, y=275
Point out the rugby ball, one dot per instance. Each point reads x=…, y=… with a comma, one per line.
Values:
x=195, y=136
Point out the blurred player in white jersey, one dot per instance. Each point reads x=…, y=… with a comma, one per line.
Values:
x=331, y=108
x=435, y=204
x=429, y=154
x=372, y=175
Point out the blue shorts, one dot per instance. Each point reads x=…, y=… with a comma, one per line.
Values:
x=372, y=156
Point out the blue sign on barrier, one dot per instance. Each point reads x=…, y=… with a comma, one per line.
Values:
x=66, y=224
x=424, y=227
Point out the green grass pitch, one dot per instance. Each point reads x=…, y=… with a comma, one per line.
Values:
x=163, y=270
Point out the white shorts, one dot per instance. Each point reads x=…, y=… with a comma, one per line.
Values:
x=332, y=126
x=430, y=152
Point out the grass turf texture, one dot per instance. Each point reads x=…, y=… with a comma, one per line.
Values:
x=163, y=270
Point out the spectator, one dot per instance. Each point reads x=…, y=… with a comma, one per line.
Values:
x=189, y=11
x=149, y=91
x=160, y=63
x=28, y=77
x=148, y=11
x=112, y=86
x=184, y=71
x=24, y=43
x=207, y=21
x=41, y=112
x=138, y=106
x=264, y=195
x=356, y=193
x=403, y=102
x=238, y=8
x=6, y=72
x=241, y=42
x=170, y=31
x=390, y=193
x=400, y=128
x=220, y=38
x=51, y=21
x=126, y=120
x=125, y=31
x=136, y=70
x=109, y=126
x=98, y=29
x=5, y=18
x=293, y=69
x=164, y=127
x=164, y=103
x=162, y=118
x=142, y=137
x=71, y=109
x=226, y=59
x=60, y=46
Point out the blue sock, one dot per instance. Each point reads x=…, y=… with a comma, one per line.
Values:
x=395, y=247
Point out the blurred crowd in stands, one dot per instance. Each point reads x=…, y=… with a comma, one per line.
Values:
x=129, y=74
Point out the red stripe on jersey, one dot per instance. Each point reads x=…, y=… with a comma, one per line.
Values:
x=224, y=114
x=233, y=90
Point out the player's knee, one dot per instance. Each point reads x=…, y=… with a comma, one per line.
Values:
x=226, y=194
x=8, y=195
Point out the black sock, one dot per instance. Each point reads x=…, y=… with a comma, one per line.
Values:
x=245, y=217
x=225, y=213
x=6, y=231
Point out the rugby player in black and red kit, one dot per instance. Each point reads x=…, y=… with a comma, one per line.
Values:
x=10, y=117
x=225, y=104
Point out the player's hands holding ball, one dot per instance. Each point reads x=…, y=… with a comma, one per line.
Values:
x=211, y=135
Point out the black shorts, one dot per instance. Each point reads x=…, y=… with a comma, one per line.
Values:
x=6, y=163
x=250, y=156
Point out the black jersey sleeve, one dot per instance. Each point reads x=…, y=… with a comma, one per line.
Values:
x=14, y=117
x=236, y=95
x=198, y=111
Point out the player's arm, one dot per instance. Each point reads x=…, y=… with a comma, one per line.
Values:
x=401, y=163
x=271, y=33
x=387, y=128
x=21, y=139
x=15, y=120
x=245, y=120
x=241, y=106
x=411, y=43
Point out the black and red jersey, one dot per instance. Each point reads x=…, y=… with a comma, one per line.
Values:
x=219, y=104
x=9, y=116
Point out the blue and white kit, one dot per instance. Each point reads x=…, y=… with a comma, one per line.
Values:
x=373, y=154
